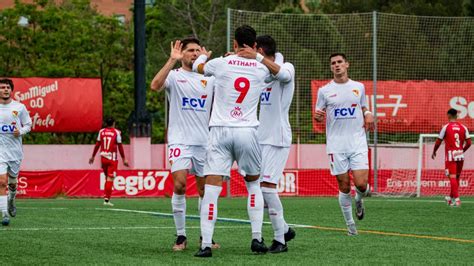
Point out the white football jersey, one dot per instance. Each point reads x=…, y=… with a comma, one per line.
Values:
x=238, y=85
x=275, y=104
x=13, y=115
x=190, y=96
x=343, y=104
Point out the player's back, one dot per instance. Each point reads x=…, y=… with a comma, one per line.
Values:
x=275, y=105
x=454, y=135
x=109, y=137
x=238, y=85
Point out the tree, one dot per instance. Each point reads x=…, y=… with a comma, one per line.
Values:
x=69, y=40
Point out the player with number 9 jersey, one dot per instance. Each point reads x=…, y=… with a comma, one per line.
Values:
x=239, y=83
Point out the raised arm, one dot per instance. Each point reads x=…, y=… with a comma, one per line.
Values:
x=200, y=62
x=158, y=82
x=250, y=53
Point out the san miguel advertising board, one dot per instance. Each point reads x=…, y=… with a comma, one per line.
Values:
x=61, y=104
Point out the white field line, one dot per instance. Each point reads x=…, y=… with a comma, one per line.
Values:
x=383, y=233
x=415, y=200
x=108, y=228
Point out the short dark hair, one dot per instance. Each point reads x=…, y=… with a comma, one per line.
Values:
x=267, y=43
x=338, y=54
x=7, y=81
x=188, y=40
x=453, y=112
x=245, y=35
x=109, y=121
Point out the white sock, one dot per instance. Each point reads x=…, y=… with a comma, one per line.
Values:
x=11, y=193
x=345, y=201
x=359, y=195
x=275, y=212
x=3, y=203
x=255, y=208
x=209, y=213
x=199, y=205
x=178, y=203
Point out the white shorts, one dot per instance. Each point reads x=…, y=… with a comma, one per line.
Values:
x=10, y=167
x=273, y=163
x=187, y=157
x=341, y=163
x=227, y=144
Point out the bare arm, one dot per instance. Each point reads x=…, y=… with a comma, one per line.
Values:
x=250, y=53
x=157, y=84
x=319, y=115
x=200, y=62
x=368, y=119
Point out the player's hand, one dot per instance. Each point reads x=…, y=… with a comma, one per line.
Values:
x=176, y=52
x=206, y=52
x=125, y=162
x=319, y=115
x=433, y=155
x=369, y=121
x=247, y=52
x=16, y=132
x=91, y=160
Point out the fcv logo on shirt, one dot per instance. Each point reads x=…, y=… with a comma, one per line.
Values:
x=7, y=128
x=345, y=112
x=194, y=102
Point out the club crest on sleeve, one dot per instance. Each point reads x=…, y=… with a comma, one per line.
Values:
x=356, y=92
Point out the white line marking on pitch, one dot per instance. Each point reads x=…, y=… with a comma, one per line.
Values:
x=414, y=200
x=439, y=238
x=110, y=228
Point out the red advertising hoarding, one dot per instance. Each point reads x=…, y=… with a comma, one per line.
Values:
x=158, y=183
x=413, y=106
x=61, y=104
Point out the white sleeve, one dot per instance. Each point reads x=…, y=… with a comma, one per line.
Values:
x=467, y=132
x=286, y=73
x=442, y=133
x=25, y=120
x=170, y=79
x=119, y=136
x=363, y=98
x=279, y=59
x=98, y=135
x=321, y=101
x=211, y=67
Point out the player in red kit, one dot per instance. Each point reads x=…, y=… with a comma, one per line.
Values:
x=457, y=141
x=108, y=140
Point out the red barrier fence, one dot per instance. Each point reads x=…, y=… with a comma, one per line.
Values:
x=158, y=183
